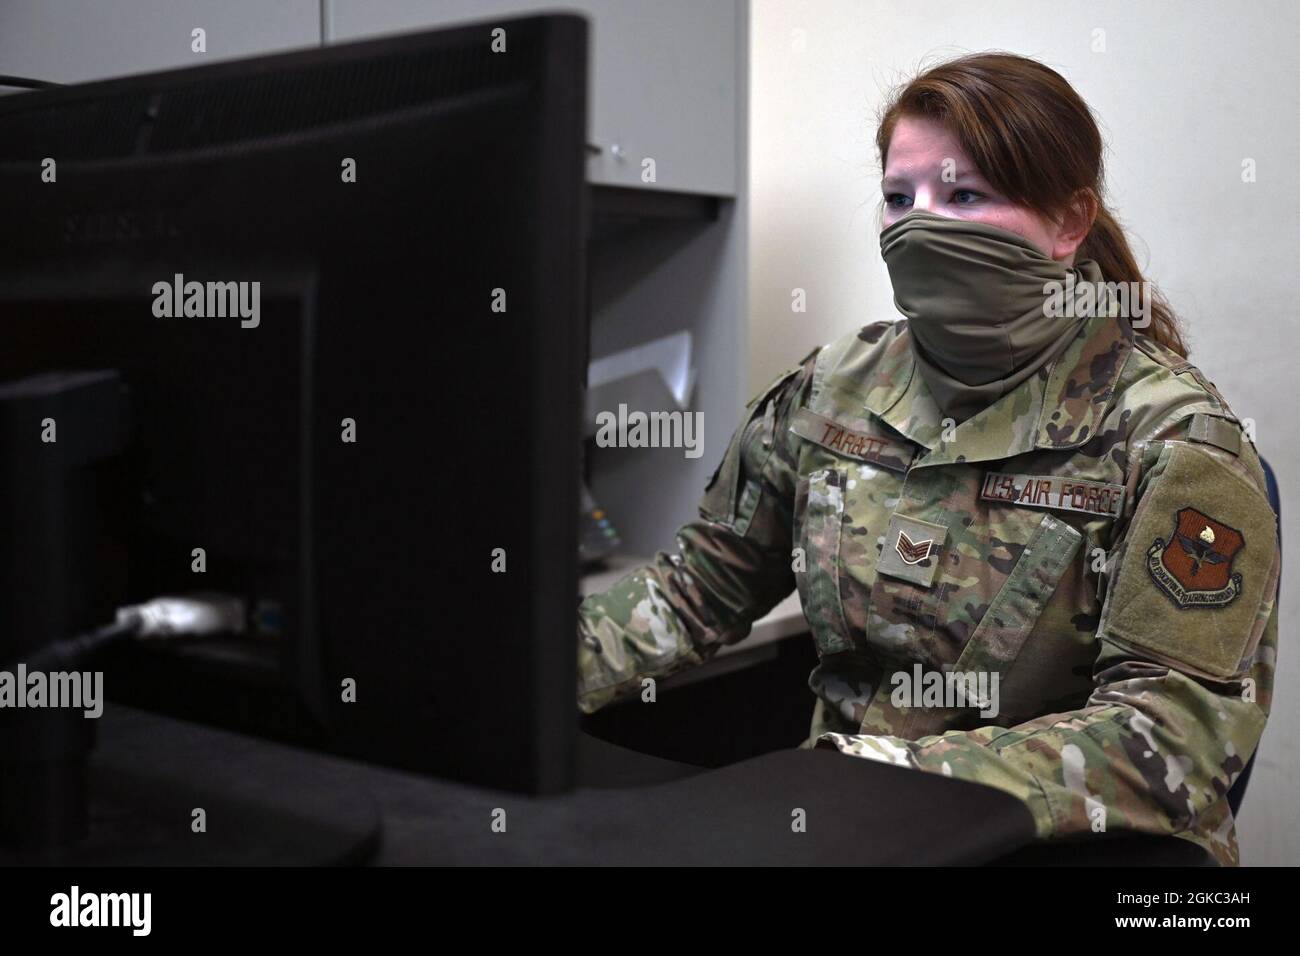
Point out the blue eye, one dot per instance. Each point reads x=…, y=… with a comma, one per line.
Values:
x=890, y=197
x=965, y=192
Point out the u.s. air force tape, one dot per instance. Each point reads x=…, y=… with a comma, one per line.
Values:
x=878, y=450
x=1053, y=491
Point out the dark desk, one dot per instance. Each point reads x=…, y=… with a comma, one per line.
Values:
x=267, y=803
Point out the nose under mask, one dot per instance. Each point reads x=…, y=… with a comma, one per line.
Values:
x=976, y=300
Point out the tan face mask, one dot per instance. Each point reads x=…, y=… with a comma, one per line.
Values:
x=976, y=305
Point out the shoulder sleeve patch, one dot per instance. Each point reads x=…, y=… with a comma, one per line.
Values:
x=1199, y=560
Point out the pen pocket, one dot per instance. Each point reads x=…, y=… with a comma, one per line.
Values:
x=820, y=502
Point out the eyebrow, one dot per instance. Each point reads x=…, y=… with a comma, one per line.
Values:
x=889, y=182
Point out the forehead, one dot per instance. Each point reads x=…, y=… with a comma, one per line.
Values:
x=919, y=146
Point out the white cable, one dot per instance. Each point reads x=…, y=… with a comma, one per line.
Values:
x=191, y=615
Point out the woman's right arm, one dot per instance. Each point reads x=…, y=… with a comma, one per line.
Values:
x=731, y=567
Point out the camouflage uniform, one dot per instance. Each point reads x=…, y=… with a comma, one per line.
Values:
x=1099, y=539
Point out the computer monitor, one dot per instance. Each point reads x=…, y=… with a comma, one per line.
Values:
x=333, y=304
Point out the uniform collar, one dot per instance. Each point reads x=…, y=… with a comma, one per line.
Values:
x=1060, y=407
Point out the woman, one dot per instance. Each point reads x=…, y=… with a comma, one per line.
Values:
x=1032, y=543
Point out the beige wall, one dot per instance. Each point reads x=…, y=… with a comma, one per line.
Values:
x=1184, y=92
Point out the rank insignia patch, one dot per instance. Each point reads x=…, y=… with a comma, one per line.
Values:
x=912, y=552
x=1195, y=566
x=911, y=549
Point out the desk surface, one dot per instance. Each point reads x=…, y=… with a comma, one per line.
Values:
x=854, y=811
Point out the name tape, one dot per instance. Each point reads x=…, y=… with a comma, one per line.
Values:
x=878, y=450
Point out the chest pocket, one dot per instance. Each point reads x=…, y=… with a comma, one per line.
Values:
x=1015, y=610
x=819, y=498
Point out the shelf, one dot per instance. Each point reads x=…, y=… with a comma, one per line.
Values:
x=618, y=210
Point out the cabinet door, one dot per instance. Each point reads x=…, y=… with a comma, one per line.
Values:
x=72, y=41
x=665, y=81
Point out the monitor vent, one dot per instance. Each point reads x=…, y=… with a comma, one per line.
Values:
x=99, y=128
x=275, y=103
x=210, y=112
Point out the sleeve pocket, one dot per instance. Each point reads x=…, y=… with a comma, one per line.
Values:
x=735, y=488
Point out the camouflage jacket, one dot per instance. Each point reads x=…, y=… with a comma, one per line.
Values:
x=1069, y=596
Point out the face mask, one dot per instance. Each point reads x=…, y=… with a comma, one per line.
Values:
x=976, y=306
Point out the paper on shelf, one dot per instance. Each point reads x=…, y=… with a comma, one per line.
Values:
x=670, y=356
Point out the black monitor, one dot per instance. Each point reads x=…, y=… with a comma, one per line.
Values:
x=376, y=447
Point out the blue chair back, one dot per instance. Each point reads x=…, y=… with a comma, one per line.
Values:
x=1238, y=790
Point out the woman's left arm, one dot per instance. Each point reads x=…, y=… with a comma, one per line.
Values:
x=1187, y=643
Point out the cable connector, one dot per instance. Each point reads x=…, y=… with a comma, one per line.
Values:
x=193, y=615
